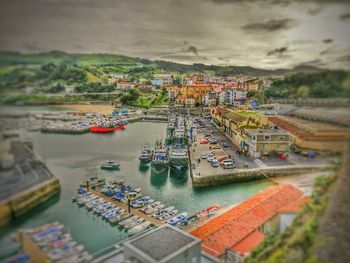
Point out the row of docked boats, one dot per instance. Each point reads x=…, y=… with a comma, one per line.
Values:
x=57, y=245
x=112, y=213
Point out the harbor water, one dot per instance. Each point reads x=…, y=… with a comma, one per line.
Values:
x=74, y=158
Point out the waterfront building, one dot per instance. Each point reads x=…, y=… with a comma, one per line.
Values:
x=265, y=142
x=165, y=244
x=288, y=213
x=238, y=231
x=233, y=122
x=314, y=136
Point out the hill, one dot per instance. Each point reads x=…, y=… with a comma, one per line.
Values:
x=58, y=57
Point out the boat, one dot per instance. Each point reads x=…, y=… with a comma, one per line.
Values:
x=179, y=157
x=101, y=129
x=168, y=215
x=134, y=223
x=120, y=217
x=207, y=211
x=129, y=220
x=154, y=210
x=110, y=165
x=178, y=219
x=140, y=228
x=160, y=160
x=146, y=154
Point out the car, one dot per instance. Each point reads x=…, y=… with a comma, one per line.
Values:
x=214, y=163
x=216, y=147
x=203, y=156
x=210, y=158
x=213, y=141
x=226, y=161
x=225, y=144
x=229, y=166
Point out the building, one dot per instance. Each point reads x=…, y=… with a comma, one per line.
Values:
x=164, y=244
x=314, y=136
x=233, y=122
x=265, y=142
x=288, y=213
x=196, y=92
x=233, y=97
x=162, y=79
x=239, y=230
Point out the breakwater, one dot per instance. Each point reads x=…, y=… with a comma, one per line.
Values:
x=246, y=175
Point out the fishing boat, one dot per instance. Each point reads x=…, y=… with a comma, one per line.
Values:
x=140, y=228
x=160, y=160
x=146, y=155
x=179, y=158
x=178, y=219
x=168, y=215
x=110, y=165
x=102, y=129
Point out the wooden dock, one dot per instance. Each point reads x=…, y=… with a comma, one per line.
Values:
x=133, y=211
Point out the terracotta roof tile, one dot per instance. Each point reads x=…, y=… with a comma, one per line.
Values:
x=230, y=228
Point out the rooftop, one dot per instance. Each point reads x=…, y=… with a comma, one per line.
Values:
x=162, y=242
x=238, y=223
x=295, y=206
x=266, y=131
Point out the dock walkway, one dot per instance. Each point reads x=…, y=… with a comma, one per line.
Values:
x=133, y=211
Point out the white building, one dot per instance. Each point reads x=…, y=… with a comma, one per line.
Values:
x=232, y=97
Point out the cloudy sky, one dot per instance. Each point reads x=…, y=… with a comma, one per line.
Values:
x=258, y=33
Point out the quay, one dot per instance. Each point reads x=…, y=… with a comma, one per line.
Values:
x=133, y=211
x=26, y=182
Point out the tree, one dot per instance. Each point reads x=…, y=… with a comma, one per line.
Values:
x=303, y=92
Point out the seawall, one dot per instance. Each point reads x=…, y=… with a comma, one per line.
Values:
x=246, y=175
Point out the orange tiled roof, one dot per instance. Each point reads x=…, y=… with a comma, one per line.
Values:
x=230, y=228
x=295, y=206
x=198, y=85
x=249, y=243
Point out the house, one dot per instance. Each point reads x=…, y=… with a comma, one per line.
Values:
x=162, y=79
x=239, y=230
x=262, y=142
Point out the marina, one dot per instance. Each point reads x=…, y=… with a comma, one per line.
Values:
x=75, y=159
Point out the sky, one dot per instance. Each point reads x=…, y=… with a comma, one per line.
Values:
x=259, y=33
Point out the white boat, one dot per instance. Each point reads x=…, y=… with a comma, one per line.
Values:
x=129, y=220
x=138, y=229
x=178, y=219
x=134, y=223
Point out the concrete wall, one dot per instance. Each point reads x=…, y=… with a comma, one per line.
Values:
x=245, y=175
x=26, y=200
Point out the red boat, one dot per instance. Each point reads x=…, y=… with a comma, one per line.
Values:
x=97, y=129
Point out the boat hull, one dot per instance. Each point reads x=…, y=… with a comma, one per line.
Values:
x=97, y=129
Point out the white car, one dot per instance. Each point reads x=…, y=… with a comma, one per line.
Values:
x=203, y=156
x=226, y=161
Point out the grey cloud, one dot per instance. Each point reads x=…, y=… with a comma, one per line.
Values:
x=188, y=48
x=277, y=51
x=270, y=26
x=345, y=17
x=327, y=40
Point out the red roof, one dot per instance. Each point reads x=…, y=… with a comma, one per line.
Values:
x=233, y=226
x=198, y=85
x=249, y=243
x=294, y=207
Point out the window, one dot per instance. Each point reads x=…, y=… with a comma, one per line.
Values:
x=267, y=137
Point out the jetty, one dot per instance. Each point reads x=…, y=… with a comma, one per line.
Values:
x=133, y=211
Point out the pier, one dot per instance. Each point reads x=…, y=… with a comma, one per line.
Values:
x=133, y=211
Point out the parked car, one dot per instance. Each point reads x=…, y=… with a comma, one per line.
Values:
x=214, y=163
x=226, y=161
x=216, y=147
x=210, y=158
x=228, y=166
x=225, y=144
x=203, y=156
